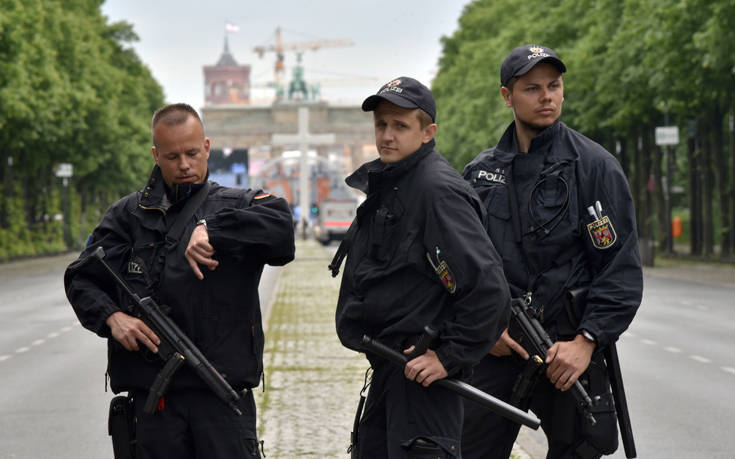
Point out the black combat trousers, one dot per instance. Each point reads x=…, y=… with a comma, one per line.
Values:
x=486, y=435
x=405, y=420
x=195, y=424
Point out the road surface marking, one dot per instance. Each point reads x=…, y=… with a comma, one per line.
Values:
x=4, y=357
x=650, y=342
x=725, y=369
x=52, y=335
x=38, y=342
x=700, y=359
x=22, y=349
x=673, y=350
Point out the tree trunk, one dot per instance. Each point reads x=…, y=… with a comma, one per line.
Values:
x=731, y=231
x=659, y=190
x=721, y=175
x=695, y=193
x=637, y=185
x=707, y=185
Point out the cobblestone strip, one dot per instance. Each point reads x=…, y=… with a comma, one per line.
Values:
x=312, y=382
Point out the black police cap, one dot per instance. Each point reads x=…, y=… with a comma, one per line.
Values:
x=521, y=60
x=404, y=92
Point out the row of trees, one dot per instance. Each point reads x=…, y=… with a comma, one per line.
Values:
x=71, y=91
x=632, y=65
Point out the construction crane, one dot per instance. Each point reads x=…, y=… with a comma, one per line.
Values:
x=280, y=48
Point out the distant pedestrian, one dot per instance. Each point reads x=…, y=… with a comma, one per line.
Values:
x=561, y=215
x=417, y=255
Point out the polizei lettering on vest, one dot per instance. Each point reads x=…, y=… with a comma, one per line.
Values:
x=491, y=176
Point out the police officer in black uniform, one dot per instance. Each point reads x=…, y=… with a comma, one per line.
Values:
x=209, y=280
x=417, y=255
x=561, y=216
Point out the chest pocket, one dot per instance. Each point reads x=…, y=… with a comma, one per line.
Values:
x=385, y=230
x=495, y=198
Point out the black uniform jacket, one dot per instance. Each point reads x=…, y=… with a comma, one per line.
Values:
x=220, y=314
x=564, y=245
x=416, y=208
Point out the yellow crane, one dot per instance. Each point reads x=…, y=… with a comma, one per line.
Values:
x=279, y=47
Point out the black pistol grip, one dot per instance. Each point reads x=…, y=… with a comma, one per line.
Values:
x=426, y=340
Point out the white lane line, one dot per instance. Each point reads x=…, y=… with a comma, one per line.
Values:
x=4, y=357
x=52, y=335
x=65, y=329
x=38, y=342
x=728, y=370
x=650, y=342
x=22, y=350
x=629, y=334
x=673, y=350
x=686, y=302
x=700, y=359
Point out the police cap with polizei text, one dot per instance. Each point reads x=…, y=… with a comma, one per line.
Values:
x=404, y=92
x=521, y=60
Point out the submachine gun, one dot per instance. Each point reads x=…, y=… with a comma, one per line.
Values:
x=527, y=331
x=175, y=349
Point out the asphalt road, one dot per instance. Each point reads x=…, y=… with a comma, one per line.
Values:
x=53, y=402
x=677, y=360
x=679, y=371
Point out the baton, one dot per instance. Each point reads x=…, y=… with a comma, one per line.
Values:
x=495, y=405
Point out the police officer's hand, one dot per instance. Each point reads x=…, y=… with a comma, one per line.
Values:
x=424, y=369
x=200, y=251
x=129, y=330
x=506, y=345
x=567, y=361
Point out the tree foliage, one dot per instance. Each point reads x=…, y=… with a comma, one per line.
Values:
x=632, y=65
x=71, y=91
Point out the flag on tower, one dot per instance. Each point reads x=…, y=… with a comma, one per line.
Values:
x=231, y=27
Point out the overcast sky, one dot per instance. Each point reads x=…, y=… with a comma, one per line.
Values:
x=391, y=38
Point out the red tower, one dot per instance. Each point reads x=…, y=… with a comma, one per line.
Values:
x=226, y=82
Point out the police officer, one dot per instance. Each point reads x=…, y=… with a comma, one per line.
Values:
x=417, y=255
x=209, y=280
x=560, y=214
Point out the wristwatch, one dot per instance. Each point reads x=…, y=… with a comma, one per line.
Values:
x=589, y=336
x=202, y=222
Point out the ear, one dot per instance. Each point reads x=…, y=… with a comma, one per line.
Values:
x=155, y=154
x=507, y=96
x=429, y=132
x=206, y=146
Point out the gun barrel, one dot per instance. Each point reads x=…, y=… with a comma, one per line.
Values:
x=463, y=389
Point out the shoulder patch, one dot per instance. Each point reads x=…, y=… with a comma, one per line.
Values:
x=441, y=268
x=602, y=233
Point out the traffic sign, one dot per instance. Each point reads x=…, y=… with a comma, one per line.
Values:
x=64, y=170
x=667, y=135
